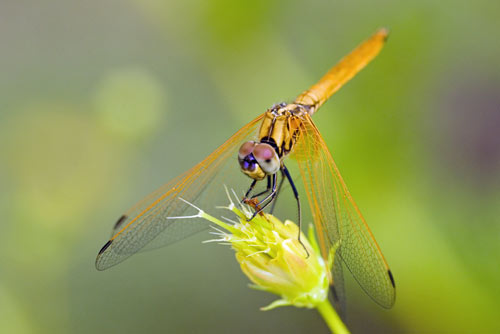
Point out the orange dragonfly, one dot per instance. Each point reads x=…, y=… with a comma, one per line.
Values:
x=261, y=146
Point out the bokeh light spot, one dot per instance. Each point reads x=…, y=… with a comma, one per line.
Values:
x=130, y=102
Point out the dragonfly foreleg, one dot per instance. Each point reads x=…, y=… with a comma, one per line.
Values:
x=247, y=197
x=252, y=185
x=268, y=188
x=278, y=192
x=269, y=198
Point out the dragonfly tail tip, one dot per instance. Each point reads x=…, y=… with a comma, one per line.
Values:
x=384, y=31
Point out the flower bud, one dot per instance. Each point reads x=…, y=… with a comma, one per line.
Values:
x=275, y=260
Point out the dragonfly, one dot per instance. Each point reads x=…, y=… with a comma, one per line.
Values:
x=284, y=132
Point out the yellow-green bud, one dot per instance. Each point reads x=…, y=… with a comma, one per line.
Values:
x=273, y=258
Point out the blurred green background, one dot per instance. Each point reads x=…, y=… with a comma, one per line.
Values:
x=103, y=101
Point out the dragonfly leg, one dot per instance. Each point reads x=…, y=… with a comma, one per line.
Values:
x=268, y=188
x=254, y=182
x=296, y=194
x=278, y=192
x=269, y=198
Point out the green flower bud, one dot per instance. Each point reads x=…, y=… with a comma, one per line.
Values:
x=272, y=257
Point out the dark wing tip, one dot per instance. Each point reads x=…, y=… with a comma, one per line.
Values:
x=119, y=221
x=97, y=264
x=338, y=303
x=334, y=293
x=104, y=247
x=391, y=278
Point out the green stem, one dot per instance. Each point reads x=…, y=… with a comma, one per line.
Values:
x=331, y=317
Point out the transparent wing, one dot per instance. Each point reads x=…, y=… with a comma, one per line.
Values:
x=146, y=225
x=337, y=217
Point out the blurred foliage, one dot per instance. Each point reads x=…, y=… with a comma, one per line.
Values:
x=130, y=102
x=103, y=101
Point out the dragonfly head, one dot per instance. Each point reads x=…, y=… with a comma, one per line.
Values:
x=257, y=160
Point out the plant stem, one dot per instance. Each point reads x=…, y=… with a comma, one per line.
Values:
x=331, y=317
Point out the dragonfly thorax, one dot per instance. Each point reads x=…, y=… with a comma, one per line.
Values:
x=277, y=135
x=280, y=126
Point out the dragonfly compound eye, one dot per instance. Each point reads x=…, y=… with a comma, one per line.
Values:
x=267, y=158
x=249, y=165
x=246, y=149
